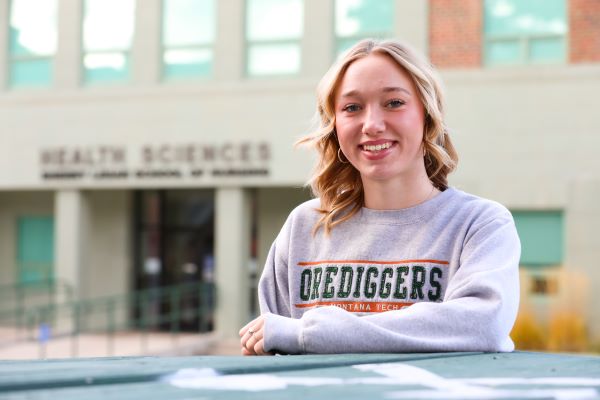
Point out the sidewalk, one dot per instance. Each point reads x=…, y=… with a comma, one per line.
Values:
x=120, y=344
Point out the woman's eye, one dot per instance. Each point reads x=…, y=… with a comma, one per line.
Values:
x=395, y=103
x=351, y=108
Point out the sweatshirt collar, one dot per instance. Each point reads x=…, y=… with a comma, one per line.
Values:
x=408, y=215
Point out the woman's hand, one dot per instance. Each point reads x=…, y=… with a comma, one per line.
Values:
x=253, y=338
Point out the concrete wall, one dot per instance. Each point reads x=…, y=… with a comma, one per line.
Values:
x=523, y=134
x=107, y=268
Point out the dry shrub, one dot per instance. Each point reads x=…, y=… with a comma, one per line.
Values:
x=568, y=332
x=528, y=333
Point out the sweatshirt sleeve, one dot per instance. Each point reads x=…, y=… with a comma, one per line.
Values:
x=273, y=287
x=477, y=313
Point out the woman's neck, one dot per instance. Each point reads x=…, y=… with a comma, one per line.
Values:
x=395, y=196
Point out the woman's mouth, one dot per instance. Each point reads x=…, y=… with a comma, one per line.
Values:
x=374, y=148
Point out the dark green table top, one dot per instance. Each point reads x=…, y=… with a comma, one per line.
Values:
x=517, y=375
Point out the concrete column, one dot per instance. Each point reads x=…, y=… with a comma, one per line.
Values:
x=411, y=23
x=232, y=242
x=71, y=226
x=582, y=248
x=318, y=47
x=230, y=46
x=68, y=61
x=146, y=58
x=4, y=39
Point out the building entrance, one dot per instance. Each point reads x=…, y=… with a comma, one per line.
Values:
x=174, y=260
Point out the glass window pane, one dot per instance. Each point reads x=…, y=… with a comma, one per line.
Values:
x=278, y=59
x=503, y=52
x=33, y=33
x=364, y=17
x=35, y=249
x=183, y=63
x=31, y=73
x=541, y=234
x=510, y=17
x=106, y=67
x=547, y=49
x=274, y=19
x=344, y=44
x=188, y=22
x=108, y=24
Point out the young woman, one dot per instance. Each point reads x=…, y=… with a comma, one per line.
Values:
x=388, y=257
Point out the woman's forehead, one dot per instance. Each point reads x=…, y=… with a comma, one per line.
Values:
x=375, y=71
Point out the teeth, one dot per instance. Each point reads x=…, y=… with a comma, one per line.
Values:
x=378, y=147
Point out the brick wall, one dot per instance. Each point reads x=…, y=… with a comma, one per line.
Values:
x=455, y=35
x=584, y=35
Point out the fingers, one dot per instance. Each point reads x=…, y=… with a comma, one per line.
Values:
x=245, y=328
x=252, y=338
x=259, y=348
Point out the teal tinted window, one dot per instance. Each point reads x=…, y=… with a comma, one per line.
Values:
x=108, y=27
x=35, y=249
x=189, y=29
x=32, y=42
x=542, y=237
x=274, y=29
x=521, y=32
x=360, y=19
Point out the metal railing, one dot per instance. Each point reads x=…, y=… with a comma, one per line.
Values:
x=186, y=307
x=30, y=294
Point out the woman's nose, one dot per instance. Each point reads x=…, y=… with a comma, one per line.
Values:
x=373, y=123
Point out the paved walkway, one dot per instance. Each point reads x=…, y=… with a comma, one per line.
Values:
x=119, y=344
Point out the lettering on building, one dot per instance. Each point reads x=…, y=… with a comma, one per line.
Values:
x=164, y=161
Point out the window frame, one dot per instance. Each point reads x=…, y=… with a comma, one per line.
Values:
x=524, y=42
x=199, y=46
x=16, y=58
x=126, y=53
x=560, y=213
x=249, y=44
x=357, y=37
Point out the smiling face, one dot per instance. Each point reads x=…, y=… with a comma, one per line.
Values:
x=379, y=120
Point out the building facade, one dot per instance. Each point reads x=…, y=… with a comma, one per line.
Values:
x=151, y=142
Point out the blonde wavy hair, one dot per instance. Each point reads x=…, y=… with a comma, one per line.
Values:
x=338, y=184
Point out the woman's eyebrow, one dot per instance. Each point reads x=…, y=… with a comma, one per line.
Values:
x=387, y=89
x=350, y=93
x=395, y=89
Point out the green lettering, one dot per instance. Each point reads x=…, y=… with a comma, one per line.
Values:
x=359, y=271
x=434, y=283
x=328, y=291
x=347, y=275
x=418, y=281
x=385, y=288
x=305, y=280
x=371, y=288
x=401, y=273
x=316, y=282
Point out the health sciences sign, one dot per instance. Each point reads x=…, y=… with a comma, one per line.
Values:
x=163, y=161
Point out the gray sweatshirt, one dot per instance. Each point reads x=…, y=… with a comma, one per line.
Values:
x=439, y=276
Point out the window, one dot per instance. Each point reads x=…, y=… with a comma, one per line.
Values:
x=35, y=249
x=359, y=19
x=524, y=32
x=541, y=234
x=543, y=285
x=188, y=35
x=33, y=37
x=107, y=35
x=273, y=32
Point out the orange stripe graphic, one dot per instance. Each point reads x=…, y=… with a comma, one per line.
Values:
x=358, y=306
x=308, y=263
